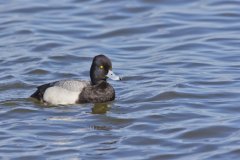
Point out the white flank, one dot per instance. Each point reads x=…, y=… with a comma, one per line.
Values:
x=57, y=95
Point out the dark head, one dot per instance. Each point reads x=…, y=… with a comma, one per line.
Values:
x=101, y=69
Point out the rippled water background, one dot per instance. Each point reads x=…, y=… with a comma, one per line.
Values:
x=179, y=98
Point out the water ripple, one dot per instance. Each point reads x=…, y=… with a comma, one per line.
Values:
x=178, y=98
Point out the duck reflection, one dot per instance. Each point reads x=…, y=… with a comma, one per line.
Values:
x=100, y=108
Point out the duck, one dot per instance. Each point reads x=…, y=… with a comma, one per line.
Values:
x=72, y=91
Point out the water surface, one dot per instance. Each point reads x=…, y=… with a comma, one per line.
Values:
x=179, y=98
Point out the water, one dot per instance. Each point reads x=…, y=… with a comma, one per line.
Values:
x=179, y=98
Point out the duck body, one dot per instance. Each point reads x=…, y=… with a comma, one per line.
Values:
x=99, y=93
x=74, y=91
x=97, y=90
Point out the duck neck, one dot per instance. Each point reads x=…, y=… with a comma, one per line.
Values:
x=95, y=80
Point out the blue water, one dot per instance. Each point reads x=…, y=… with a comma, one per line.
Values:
x=179, y=97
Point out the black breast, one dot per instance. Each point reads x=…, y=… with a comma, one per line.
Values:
x=99, y=93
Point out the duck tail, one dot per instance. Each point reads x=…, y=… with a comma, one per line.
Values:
x=37, y=95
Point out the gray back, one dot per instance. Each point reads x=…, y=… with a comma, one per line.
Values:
x=72, y=85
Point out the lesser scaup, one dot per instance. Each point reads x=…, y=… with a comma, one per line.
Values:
x=98, y=90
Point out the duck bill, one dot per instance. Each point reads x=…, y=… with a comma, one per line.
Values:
x=113, y=76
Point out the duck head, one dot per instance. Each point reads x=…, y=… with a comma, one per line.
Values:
x=101, y=69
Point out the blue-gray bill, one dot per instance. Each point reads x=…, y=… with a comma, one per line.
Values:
x=113, y=76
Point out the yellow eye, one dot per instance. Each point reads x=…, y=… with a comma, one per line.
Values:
x=101, y=67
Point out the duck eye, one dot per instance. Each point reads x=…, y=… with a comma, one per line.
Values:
x=101, y=67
